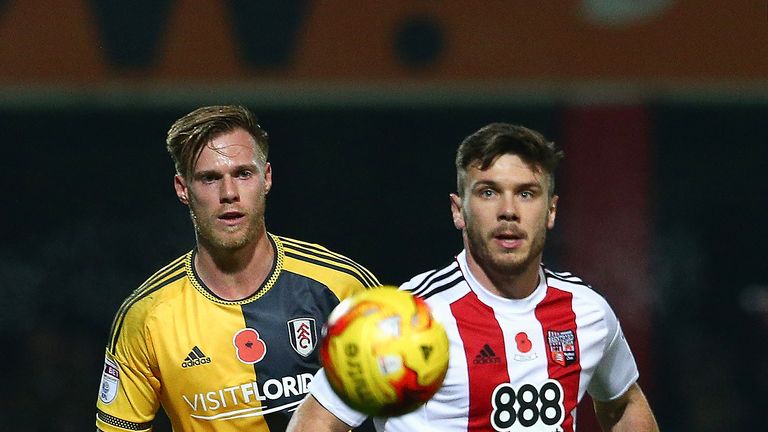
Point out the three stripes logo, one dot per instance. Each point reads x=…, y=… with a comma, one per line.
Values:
x=486, y=356
x=195, y=358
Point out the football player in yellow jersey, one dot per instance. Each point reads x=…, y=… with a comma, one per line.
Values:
x=224, y=337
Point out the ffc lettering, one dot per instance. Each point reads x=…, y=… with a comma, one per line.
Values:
x=518, y=410
x=302, y=335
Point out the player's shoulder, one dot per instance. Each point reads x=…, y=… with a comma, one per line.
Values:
x=582, y=291
x=437, y=283
x=162, y=285
x=317, y=262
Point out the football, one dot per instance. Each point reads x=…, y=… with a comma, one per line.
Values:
x=383, y=352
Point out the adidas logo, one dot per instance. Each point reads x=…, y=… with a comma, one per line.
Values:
x=486, y=356
x=195, y=358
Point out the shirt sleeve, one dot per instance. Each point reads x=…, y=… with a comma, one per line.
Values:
x=128, y=393
x=617, y=370
x=322, y=391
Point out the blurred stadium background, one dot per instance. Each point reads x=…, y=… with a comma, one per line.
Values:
x=661, y=106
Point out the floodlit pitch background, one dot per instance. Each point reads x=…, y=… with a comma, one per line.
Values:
x=661, y=107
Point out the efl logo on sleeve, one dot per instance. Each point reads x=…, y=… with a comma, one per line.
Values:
x=110, y=381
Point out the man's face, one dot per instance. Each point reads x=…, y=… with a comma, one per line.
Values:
x=505, y=214
x=226, y=192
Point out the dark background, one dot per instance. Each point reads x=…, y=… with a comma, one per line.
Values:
x=90, y=212
x=365, y=108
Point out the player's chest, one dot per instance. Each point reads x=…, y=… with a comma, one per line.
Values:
x=215, y=358
x=198, y=332
x=504, y=363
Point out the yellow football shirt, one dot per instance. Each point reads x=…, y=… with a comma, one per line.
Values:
x=218, y=365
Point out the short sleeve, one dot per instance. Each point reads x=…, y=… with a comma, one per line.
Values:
x=617, y=370
x=128, y=392
x=322, y=391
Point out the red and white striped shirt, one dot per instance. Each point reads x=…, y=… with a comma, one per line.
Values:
x=515, y=364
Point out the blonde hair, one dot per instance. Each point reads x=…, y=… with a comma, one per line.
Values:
x=189, y=134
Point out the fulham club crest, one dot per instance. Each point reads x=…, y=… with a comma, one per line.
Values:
x=562, y=346
x=302, y=334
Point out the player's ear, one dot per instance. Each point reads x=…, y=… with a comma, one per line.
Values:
x=181, y=189
x=552, y=211
x=267, y=177
x=458, y=215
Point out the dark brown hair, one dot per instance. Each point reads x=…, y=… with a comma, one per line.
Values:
x=189, y=134
x=483, y=147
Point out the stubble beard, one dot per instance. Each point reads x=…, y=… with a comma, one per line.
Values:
x=230, y=238
x=502, y=263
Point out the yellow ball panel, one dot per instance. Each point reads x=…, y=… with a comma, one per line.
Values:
x=383, y=352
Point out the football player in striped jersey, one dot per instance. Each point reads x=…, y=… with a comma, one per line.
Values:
x=225, y=337
x=526, y=343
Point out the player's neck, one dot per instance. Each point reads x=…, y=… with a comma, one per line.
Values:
x=514, y=286
x=236, y=274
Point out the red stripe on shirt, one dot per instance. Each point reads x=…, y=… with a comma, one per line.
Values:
x=555, y=313
x=477, y=327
